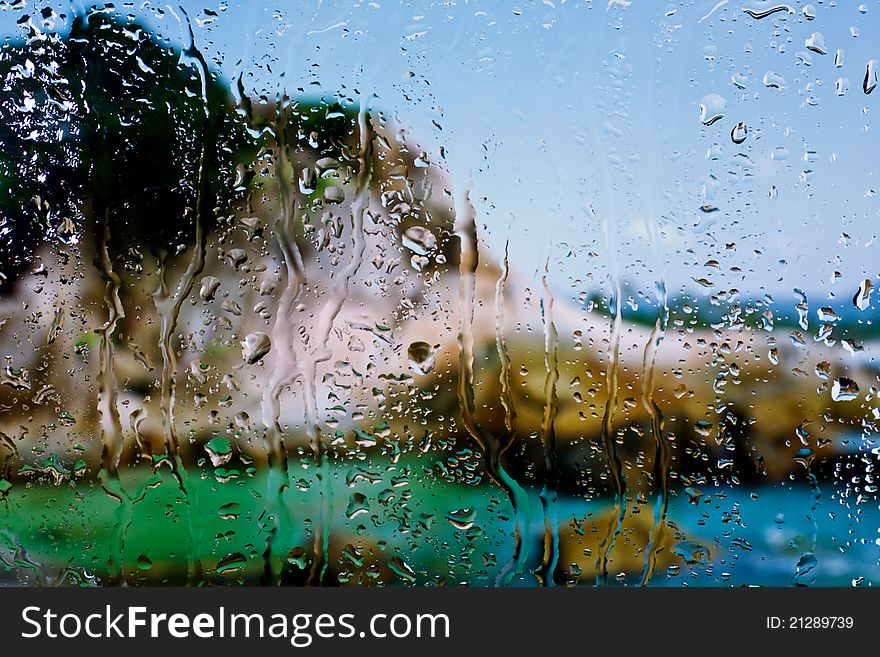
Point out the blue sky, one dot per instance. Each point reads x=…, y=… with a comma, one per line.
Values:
x=579, y=122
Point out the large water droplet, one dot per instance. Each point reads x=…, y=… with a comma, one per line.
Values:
x=712, y=108
x=804, y=573
x=255, y=346
x=871, y=75
x=231, y=562
x=419, y=240
x=421, y=357
x=816, y=43
x=219, y=450
x=862, y=298
x=774, y=80
x=844, y=389
x=764, y=9
x=739, y=133
x=691, y=552
x=402, y=569
x=462, y=518
x=208, y=288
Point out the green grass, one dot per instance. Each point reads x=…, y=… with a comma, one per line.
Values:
x=71, y=526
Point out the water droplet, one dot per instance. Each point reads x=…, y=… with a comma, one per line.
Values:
x=421, y=357
x=872, y=70
x=780, y=154
x=804, y=572
x=862, y=298
x=143, y=562
x=693, y=494
x=298, y=557
x=400, y=568
x=255, y=346
x=462, y=518
x=761, y=10
x=334, y=194
x=237, y=257
x=691, y=552
x=844, y=389
x=816, y=43
x=712, y=108
x=703, y=428
x=231, y=562
x=773, y=80
x=17, y=379
x=208, y=288
x=357, y=505
x=308, y=181
x=804, y=456
x=739, y=133
x=419, y=240
x=827, y=314
x=219, y=450
x=852, y=346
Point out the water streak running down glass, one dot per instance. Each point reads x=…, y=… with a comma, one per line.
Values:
x=439, y=294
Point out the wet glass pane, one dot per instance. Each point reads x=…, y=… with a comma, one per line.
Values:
x=439, y=294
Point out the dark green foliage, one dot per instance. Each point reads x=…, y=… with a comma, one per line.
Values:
x=103, y=119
